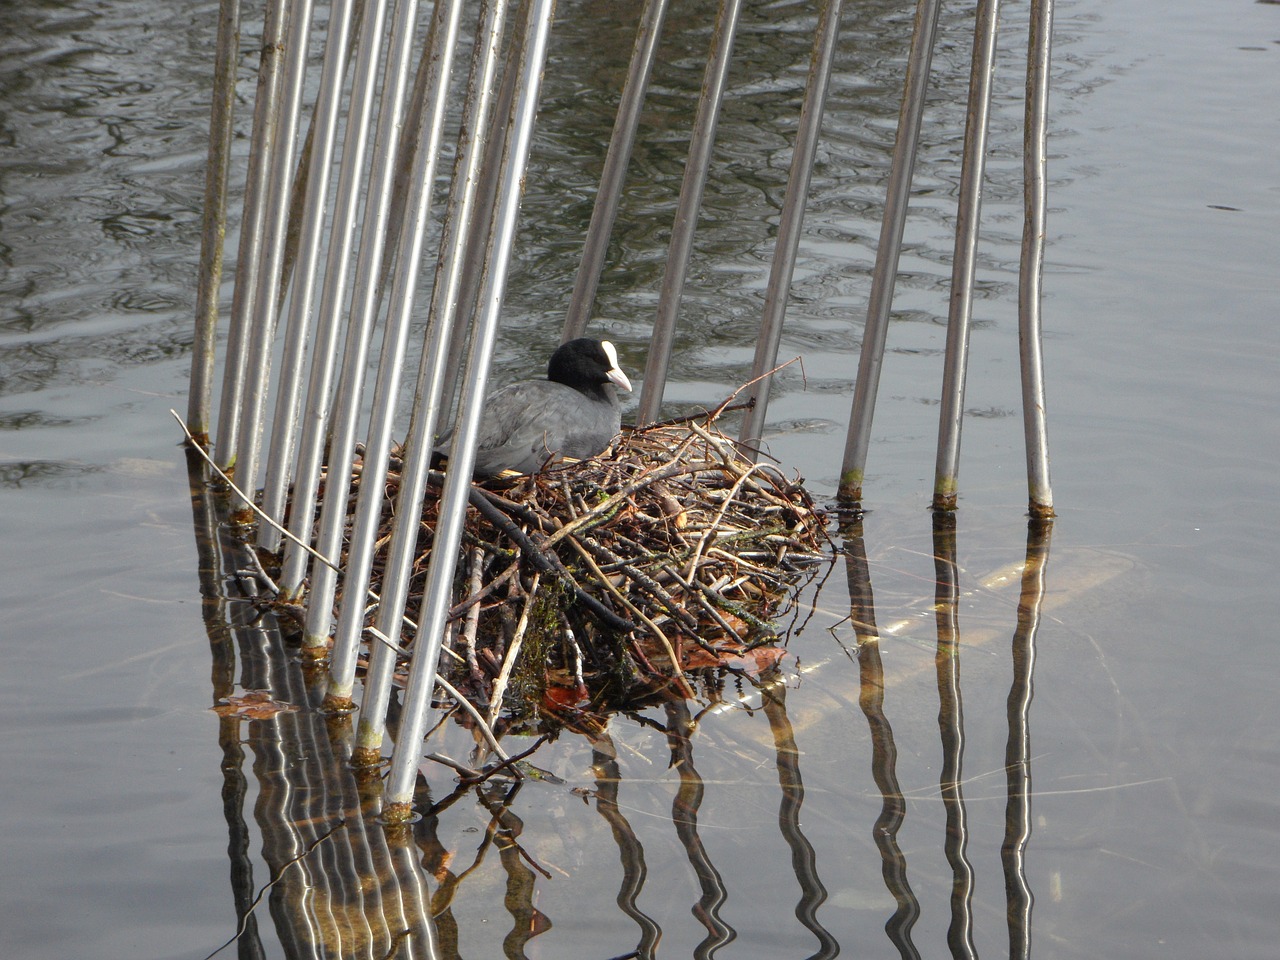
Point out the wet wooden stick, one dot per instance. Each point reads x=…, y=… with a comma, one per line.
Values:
x=513, y=650
x=685, y=687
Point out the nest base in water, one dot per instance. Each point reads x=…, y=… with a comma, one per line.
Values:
x=612, y=581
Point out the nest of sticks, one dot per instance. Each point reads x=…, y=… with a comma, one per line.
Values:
x=603, y=584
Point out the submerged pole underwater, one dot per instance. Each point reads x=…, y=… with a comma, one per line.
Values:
x=888, y=251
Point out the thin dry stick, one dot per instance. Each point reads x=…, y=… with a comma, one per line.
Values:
x=687, y=688
x=724, y=507
x=647, y=478
x=513, y=651
x=245, y=498
x=473, y=615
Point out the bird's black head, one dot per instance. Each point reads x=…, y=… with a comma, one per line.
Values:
x=587, y=365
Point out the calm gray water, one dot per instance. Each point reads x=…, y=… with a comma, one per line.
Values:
x=1153, y=813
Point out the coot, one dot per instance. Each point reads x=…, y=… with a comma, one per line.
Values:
x=573, y=413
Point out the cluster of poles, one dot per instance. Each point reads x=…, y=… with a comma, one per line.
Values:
x=305, y=282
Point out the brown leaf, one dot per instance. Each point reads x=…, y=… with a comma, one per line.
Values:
x=252, y=705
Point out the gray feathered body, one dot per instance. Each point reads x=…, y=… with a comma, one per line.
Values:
x=526, y=424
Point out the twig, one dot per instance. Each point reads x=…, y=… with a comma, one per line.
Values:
x=245, y=498
x=513, y=651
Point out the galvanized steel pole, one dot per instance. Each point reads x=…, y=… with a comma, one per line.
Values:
x=880, y=299
x=214, y=229
x=605, y=210
x=968, y=217
x=252, y=226
x=789, y=224
x=453, y=501
x=315, y=418
x=265, y=303
x=364, y=308
x=686, y=221
x=364, y=529
x=1035, y=190
x=444, y=324
x=306, y=277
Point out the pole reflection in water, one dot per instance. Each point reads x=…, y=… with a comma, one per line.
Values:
x=884, y=753
x=1017, y=756
x=339, y=884
x=951, y=728
x=1018, y=897
x=803, y=860
x=335, y=887
x=684, y=813
x=604, y=761
x=527, y=921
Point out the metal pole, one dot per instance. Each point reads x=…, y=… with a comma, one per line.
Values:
x=315, y=419
x=880, y=300
x=789, y=224
x=252, y=225
x=443, y=325
x=265, y=304
x=1035, y=192
x=364, y=307
x=306, y=278
x=482, y=214
x=686, y=222
x=968, y=217
x=605, y=211
x=453, y=502
x=364, y=530
x=203, y=348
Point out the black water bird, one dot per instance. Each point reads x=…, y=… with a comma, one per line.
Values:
x=573, y=413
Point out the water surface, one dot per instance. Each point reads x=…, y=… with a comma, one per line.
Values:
x=1151, y=729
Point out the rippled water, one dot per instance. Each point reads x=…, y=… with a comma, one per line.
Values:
x=1153, y=750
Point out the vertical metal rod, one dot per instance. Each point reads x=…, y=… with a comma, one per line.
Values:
x=364, y=307
x=482, y=214
x=885, y=274
x=443, y=325
x=364, y=529
x=315, y=418
x=1035, y=195
x=265, y=305
x=252, y=225
x=605, y=210
x=439, y=585
x=968, y=218
x=686, y=221
x=306, y=277
x=213, y=232
x=790, y=222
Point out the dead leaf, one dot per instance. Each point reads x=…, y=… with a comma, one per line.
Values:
x=252, y=705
